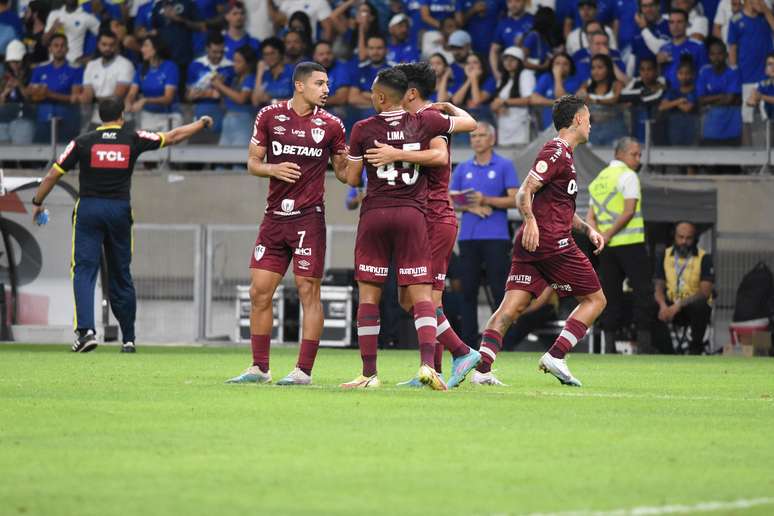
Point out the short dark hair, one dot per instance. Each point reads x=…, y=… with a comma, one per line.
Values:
x=680, y=11
x=712, y=42
x=420, y=76
x=376, y=36
x=249, y=55
x=275, y=43
x=321, y=42
x=111, y=109
x=106, y=34
x=235, y=5
x=215, y=38
x=305, y=69
x=56, y=36
x=394, y=80
x=564, y=110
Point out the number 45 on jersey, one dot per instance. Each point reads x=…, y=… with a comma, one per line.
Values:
x=389, y=173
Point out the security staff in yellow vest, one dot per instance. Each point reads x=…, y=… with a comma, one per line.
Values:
x=684, y=280
x=615, y=212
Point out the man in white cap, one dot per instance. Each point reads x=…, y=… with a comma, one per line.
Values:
x=459, y=46
x=401, y=49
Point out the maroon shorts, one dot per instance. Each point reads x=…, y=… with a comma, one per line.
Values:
x=569, y=274
x=442, y=238
x=302, y=238
x=399, y=233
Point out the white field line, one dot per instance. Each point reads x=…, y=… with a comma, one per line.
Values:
x=668, y=509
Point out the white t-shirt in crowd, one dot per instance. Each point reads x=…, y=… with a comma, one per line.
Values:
x=76, y=24
x=577, y=40
x=103, y=78
x=514, y=123
x=259, y=23
x=317, y=10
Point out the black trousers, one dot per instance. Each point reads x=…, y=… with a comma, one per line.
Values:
x=494, y=256
x=632, y=262
x=697, y=316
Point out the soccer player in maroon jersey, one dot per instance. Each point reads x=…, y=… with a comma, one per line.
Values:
x=392, y=221
x=544, y=252
x=292, y=143
x=440, y=217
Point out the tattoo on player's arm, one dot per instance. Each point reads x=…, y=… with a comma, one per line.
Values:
x=524, y=197
x=579, y=224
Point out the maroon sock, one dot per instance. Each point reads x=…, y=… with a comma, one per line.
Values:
x=307, y=352
x=491, y=342
x=438, y=358
x=260, y=345
x=448, y=338
x=426, y=325
x=573, y=331
x=368, y=336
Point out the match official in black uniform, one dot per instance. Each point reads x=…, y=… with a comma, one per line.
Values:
x=103, y=215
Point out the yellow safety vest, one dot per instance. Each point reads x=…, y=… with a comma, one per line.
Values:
x=608, y=204
x=683, y=275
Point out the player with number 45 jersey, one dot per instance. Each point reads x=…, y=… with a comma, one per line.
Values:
x=392, y=225
x=292, y=143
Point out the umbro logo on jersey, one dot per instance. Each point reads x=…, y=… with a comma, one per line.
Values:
x=279, y=130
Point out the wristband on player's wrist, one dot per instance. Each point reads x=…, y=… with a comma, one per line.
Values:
x=35, y=202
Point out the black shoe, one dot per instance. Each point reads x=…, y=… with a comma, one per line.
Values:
x=128, y=347
x=85, y=341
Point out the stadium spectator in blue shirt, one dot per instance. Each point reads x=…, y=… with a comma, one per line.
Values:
x=624, y=24
x=414, y=10
x=106, y=9
x=236, y=35
x=490, y=185
x=273, y=78
x=435, y=11
x=539, y=43
x=604, y=12
x=9, y=17
x=339, y=78
x=153, y=93
x=599, y=44
x=459, y=45
x=749, y=42
x=56, y=87
x=720, y=90
x=236, y=89
x=681, y=108
x=401, y=49
x=763, y=94
x=360, y=92
x=560, y=80
x=670, y=54
x=199, y=87
x=478, y=18
x=175, y=22
x=476, y=91
x=653, y=31
x=510, y=31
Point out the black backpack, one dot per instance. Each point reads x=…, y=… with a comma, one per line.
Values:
x=755, y=295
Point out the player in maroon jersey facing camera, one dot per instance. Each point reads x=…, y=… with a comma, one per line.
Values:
x=544, y=252
x=392, y=221
x=292, y=143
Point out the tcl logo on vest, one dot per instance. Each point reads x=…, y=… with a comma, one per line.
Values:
x=110, y=156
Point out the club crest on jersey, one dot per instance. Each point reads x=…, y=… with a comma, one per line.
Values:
x=281, y=118
x=318, y=134
x=258, y=253
x=491, y=174
x=288, y=205
x=279, y=130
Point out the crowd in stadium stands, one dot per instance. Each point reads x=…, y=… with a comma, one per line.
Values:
x=699, y=71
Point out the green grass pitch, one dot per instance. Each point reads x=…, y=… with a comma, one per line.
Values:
x=159, y=433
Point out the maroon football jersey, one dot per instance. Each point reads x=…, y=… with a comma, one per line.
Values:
x=439, y=207
x=554, y=204
x=396, y=184
x=309, y=141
